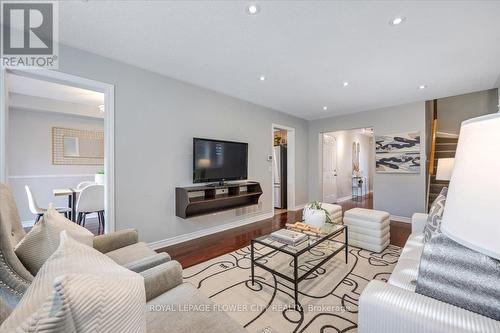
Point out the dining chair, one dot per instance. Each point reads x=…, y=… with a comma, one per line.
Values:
x=91, y=200
x=84, y=184
x=37, y=210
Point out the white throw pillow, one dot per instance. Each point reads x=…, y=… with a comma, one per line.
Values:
x=80, y=290
x=43, y=239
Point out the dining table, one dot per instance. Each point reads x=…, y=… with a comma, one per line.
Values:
x=72, y=194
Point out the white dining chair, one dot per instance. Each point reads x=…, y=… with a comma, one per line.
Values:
x=37, y=210
x=84, y=184
x=91, y=200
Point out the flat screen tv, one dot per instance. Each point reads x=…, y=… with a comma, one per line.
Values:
x=218, y=161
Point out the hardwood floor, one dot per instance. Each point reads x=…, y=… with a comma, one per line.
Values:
x=202, y=249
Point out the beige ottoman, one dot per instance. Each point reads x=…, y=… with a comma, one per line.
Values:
x=335, y=212
x=368, y=229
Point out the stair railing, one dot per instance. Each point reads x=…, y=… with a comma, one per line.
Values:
x=431, y=163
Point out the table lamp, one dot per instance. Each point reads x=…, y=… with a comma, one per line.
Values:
x=472, y=212
x=445, y=168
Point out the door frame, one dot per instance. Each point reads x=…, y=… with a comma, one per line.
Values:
x=322, y=152
x=290, y=165
x=109, y=126
x=320, y=157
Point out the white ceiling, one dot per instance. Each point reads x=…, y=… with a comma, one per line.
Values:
x=306, y=49
x=38, y=88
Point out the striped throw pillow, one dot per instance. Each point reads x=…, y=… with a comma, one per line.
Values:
x=80, y=290
x=43, y=239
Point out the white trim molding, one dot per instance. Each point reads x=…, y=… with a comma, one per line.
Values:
x=28, y=224
x=4, y=100
x=299, y=207
x=31, y=223
x=290, y=164
x=347, y=197
x=400, y=218
x=209, y=231
x=50, y=176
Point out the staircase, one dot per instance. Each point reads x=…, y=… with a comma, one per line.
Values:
x=445, y=148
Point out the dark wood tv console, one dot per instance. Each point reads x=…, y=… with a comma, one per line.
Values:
x=201, y=200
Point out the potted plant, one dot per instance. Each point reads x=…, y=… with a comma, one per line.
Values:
x=99, y=177
x=315, y=215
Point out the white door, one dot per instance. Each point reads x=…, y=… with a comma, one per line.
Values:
x=329, y=169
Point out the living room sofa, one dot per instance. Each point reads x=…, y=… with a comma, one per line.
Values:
x=121, y=246
x=176, y=307
x=171, y=305
x=395, y=307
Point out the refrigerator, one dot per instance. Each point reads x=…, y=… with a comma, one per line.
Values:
x=279, y=176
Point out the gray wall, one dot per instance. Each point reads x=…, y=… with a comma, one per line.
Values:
x=453, y=110
x=30, y=157
x=399, y=194
x=156, y=118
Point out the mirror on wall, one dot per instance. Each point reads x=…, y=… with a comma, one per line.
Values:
x=77, y=147
x=71, y=148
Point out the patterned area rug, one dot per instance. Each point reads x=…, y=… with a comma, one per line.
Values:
x=328, y=297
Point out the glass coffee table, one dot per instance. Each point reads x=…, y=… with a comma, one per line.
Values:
x=294, y=263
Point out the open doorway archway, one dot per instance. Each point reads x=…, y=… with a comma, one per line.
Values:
x=283, y=184
x=60, y=78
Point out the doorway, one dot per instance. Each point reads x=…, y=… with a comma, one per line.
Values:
x=71, y=121
x=283, y=169
x=330, y=189
x=347, y=165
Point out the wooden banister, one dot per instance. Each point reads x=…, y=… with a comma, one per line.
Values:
x=432, y=156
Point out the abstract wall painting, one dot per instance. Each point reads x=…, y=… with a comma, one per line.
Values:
x=398, y=153
x=398, y=143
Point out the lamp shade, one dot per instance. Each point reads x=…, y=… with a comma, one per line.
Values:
x=445, y=168
x=472, y=212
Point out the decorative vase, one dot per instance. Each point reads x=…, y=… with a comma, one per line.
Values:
x=99, y=178
x=315, y=217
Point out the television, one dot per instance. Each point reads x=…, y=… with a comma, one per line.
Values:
x=218, y=161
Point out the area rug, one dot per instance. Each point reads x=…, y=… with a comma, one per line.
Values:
x=328, y=297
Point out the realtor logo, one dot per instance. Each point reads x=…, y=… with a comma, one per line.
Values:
x=29, y=34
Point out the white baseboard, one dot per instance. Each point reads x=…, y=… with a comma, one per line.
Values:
x=84, y=175
x=209, y=231
x=299, y=207
x=28, y=224
x=31, y=223
x=400, y=218
x=349, y=197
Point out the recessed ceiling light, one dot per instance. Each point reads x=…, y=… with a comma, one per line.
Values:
x=262, y=78
x=253, y=9
x=345, y=84
x=422, y=86
x=325, y=108
x=397, y=20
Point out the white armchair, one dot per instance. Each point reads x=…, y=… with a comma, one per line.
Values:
x=418, y=221
x=394, y=307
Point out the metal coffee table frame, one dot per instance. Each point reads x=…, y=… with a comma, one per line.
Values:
x=295, y=255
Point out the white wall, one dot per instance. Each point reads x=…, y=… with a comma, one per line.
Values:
x=156, y=118
x=453, y=110
x=345, y=140
x=25, y=102
x=30, y=157
x=398, y=194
